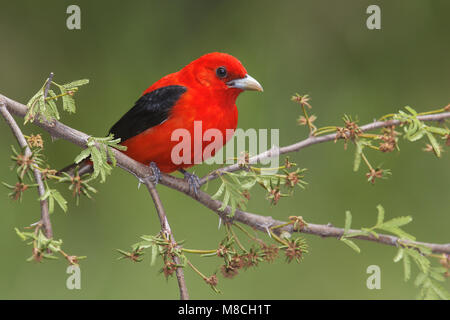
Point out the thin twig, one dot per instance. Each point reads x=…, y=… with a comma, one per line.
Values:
x=47, y=84
x=256, y=221
x=45, y=216
x=165, y=228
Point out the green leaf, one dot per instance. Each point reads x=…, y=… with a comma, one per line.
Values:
x=398, y=232
x=411, y=110
x=437, y=130
x=399, y=255
x=101, y=157
x=249, y=184
x=380, y=217
x=53, y=108
x=421, y=277
x=154, y=254
x=397, y=222
x=434, y=144
x=60, y=200
x=225, y=201
x=233, y=207
x=49, y=256
x=439, y=269
x=440, y=291
x=351, y=244
x=348, y=221
x=76, y=83
x=358, y=152
x=21, y=234
x=406, y=267
x=437, y=276
x=83, y=155
x=422, y=262
x=68, y=103
x=219, y=192
x=414, y=134
x=35, y=98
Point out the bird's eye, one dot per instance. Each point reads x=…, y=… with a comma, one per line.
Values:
x=221, y=72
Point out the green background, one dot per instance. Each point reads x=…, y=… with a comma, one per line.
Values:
x=321, y=48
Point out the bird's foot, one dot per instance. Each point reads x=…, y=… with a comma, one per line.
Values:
x=156, y=177
x=193, y=180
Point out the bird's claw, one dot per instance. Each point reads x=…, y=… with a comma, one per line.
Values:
x=193, y=181
x=156, y=177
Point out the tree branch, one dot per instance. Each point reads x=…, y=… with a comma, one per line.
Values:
x=258, y=222
x=165, y=228
x=311, y=140
x=45, y=216
x=264, y=223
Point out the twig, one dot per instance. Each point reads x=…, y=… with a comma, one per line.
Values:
x=165, y=228
x=45, y=216
x=256, y=221
x=47, y=85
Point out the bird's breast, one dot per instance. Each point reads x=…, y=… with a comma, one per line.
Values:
x=193, y=125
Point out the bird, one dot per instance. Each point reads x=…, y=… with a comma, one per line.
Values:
x=204, y=91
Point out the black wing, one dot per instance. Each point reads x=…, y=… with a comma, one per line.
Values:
x=150, y=110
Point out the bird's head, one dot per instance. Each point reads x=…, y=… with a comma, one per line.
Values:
x=223, y=72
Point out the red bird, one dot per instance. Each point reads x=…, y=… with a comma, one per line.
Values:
x=205, y=90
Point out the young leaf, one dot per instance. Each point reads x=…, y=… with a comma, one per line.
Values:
x=154, y=254
x=380, y=217
x=219, y=192
x=421, y=277
x=411, y=110
x=68, y=103
x=397, y=222
x=225, y=201
x=406, y=267
x=83, y=155
x=76, y=83
x=357, y=160
x=440, y=291
x=348, y=221
x=60, y=200
x=351, y=244
x=434, y=144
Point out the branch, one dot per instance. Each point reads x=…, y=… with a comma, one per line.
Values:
x=45, y=216
x=262, y=223
x=311, y=140
x=165, y=228
x=57, y=129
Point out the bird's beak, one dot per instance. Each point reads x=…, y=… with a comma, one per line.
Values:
x=245, y=83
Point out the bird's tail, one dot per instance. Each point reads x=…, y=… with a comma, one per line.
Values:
x=83, y=167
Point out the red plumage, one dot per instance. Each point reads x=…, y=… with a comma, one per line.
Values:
x=205, y=90
x=208, y=99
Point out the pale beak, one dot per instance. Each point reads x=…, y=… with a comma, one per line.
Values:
x=245, y=83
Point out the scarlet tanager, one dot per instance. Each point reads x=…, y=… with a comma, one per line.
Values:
x=205, y=90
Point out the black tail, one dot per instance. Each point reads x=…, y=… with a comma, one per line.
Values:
x=83, y=167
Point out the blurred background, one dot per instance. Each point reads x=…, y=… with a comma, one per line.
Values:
x=320, y=48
